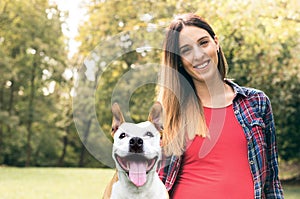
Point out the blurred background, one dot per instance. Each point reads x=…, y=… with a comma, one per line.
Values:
x=43, y=46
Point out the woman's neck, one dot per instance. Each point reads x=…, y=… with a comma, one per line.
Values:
x=214, y=94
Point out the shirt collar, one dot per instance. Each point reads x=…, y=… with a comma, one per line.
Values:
x=237, y=89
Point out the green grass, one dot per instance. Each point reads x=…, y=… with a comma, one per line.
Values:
x=291, y=191
x=68, y=183
x=53, y=183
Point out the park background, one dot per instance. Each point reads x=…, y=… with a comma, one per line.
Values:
x=40, y=61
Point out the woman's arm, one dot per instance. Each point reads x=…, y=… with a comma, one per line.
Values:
x=272, y=188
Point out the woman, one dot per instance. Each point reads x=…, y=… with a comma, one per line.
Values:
x=219, y=137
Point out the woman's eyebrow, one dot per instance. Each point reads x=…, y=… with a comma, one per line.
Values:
x=201, y=38
x=204, y=37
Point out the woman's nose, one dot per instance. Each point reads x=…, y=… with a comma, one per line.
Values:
x=198, y=53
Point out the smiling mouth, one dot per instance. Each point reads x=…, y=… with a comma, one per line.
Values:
x=136, y=167
x=202, y=65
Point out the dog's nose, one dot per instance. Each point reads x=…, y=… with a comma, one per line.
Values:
x=136, y=145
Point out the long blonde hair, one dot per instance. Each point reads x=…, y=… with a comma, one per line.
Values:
x=183, y=111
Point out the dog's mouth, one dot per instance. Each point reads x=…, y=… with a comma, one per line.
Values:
x=136, y=167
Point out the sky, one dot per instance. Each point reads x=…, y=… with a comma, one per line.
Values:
x=76, y=15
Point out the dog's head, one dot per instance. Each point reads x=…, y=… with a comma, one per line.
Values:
x=136, y=148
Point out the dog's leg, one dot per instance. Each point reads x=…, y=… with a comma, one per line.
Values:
x=107, y=192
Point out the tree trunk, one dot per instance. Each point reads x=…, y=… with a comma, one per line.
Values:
x=30, y=115
x=1, y=124
x=65, y=144
x=11, y=103
x=11, y=97
x=84, y=141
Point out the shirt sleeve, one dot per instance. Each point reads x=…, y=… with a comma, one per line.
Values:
x=168, y=170
x=162, y=169
x=272, y=188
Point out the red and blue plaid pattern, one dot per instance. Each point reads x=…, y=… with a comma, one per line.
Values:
x=253, y=111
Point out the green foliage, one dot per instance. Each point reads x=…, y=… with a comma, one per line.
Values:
x=33, y=59
x=262, y=53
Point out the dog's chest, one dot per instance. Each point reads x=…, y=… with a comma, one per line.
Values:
x=154, y=190
x=120, y=191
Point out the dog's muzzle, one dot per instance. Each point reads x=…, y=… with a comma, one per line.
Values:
x=136, y=167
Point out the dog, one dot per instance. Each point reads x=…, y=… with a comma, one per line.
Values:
x=136, y=152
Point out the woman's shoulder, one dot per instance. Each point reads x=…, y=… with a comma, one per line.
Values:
x=248, y=97
x=248, y=92
x=254, y=92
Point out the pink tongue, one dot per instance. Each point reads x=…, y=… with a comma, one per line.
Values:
x=137, y=173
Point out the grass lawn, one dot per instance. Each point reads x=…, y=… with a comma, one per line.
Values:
x=67, y=183
x=291, y=191
x=53, y=183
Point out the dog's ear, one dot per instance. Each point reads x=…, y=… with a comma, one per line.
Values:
x=156, y=116
x=118, y=118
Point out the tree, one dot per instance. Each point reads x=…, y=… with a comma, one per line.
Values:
x=34, y=59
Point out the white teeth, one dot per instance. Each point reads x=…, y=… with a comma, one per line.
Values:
x=202, y=65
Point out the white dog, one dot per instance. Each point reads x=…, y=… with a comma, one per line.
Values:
x=136, y=152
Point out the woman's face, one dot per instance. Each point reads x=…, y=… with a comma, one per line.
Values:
x=199, y=53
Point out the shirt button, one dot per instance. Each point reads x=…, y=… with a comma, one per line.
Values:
x=251, y=162
x=243, y=125
x=236, y=112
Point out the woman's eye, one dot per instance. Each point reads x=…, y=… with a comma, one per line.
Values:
x=203, y=43
x=185, y=50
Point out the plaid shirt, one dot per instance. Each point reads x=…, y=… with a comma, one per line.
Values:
x=253, y=111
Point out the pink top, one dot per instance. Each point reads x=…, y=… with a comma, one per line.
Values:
x=216, y=167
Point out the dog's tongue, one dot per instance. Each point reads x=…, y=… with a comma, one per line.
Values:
x=137, y=173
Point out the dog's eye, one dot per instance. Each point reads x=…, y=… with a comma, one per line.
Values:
x=123, y=135
x=149, y=134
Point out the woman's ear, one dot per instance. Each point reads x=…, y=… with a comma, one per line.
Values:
x=217, y=43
